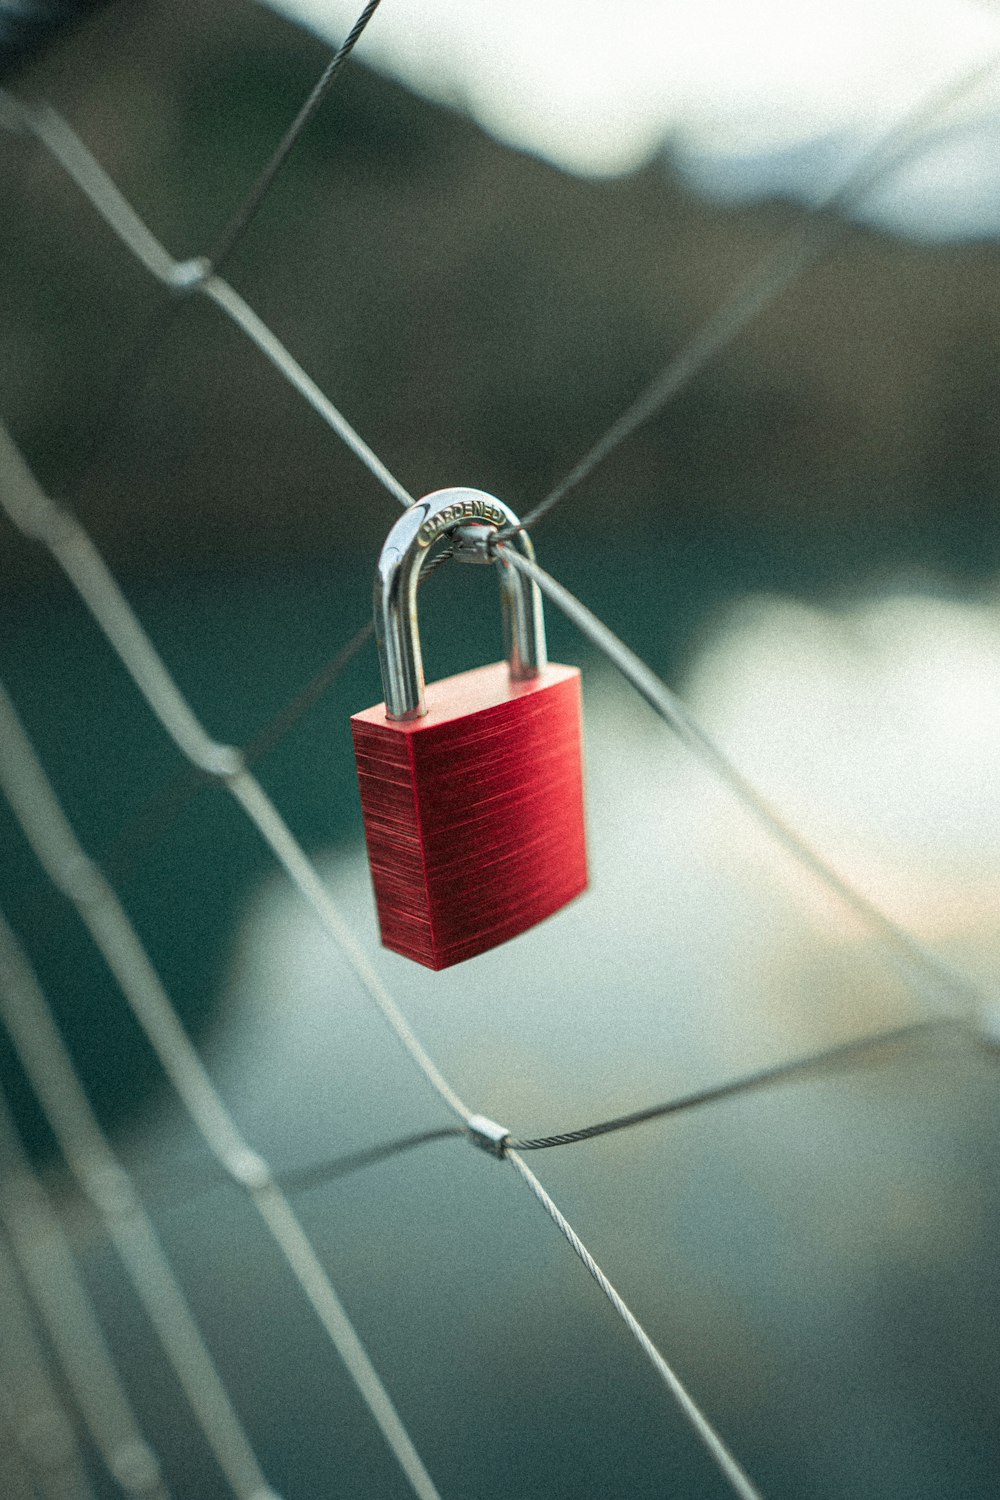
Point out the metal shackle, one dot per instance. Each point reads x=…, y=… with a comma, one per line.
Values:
x=395, y=594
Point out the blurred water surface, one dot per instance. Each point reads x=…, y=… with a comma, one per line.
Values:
x=806, y=544
x=818, y=1261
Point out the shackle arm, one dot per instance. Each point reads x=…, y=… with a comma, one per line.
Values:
x=395, y=595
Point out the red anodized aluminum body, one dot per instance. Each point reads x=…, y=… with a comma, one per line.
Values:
x=474, y=813
x=471, y=789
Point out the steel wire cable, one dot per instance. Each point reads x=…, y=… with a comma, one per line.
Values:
x=192, y=276
x=51, y=837
x=859, y=1049
x=159, y=812
x=665, y=703
x=247, y=211
x=47, y=1265
x=820, y=227
x=54, y=843
x=186, y=1184
x=100, y=1176
x=133, y=370
x=204, y=751
x=739, y=1480
x=55, y=846
x=33, y=511
x=31, y=1404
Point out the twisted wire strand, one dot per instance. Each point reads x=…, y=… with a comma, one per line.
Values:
x=741, y=1483
x=48, y=1268
x=34, y=514
x=15, y=1480
x=247, y=211
x=165, y=806
x=861, y=1049
x=132, y=372
x=816, y=232
x=184, y=1186
x=665, y=703
x=55, y=845
x=159, y=690
x=31, y=1405
x=100, y=1176
x=186, y=277
x=243, y=315
x=844, y=1055
x=301, y=1179
x=66, y=865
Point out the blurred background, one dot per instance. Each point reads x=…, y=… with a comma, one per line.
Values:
x=503, y=223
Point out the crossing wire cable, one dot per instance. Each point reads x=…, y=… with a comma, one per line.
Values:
x=100, y=1176
x=739, y=1480
x=185, y=1186
x=133, y=370
x=845, y=1054
x=119, y=214
x=45, y=826
x=47, y=1265
x=55, y=845
x=196, y=276
x=31, y=1404
x=818, y=230
x=670, y=708
x=161, y=810
x=248, y=209
x=189, y=276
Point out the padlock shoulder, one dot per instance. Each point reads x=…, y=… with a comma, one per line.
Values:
x=466, y=694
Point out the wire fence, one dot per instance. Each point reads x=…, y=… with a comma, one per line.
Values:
x=43, y=1255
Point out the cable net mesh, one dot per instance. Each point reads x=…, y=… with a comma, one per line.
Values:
x=380, y=1320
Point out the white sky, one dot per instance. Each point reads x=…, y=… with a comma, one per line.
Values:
x=754, y=95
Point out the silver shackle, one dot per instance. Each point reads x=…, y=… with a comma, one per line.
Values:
x=398, y=574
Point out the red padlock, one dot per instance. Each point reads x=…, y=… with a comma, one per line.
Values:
x=472, y=792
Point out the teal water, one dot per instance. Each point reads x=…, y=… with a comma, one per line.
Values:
x=818, y=1262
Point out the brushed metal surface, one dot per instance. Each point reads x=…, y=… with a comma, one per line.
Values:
x=474, y=813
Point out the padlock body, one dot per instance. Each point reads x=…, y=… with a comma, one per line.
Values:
x=474, y=813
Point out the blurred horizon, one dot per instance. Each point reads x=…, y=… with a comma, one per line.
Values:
x=805, y=543
x=784, y=99
x=480, y=316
